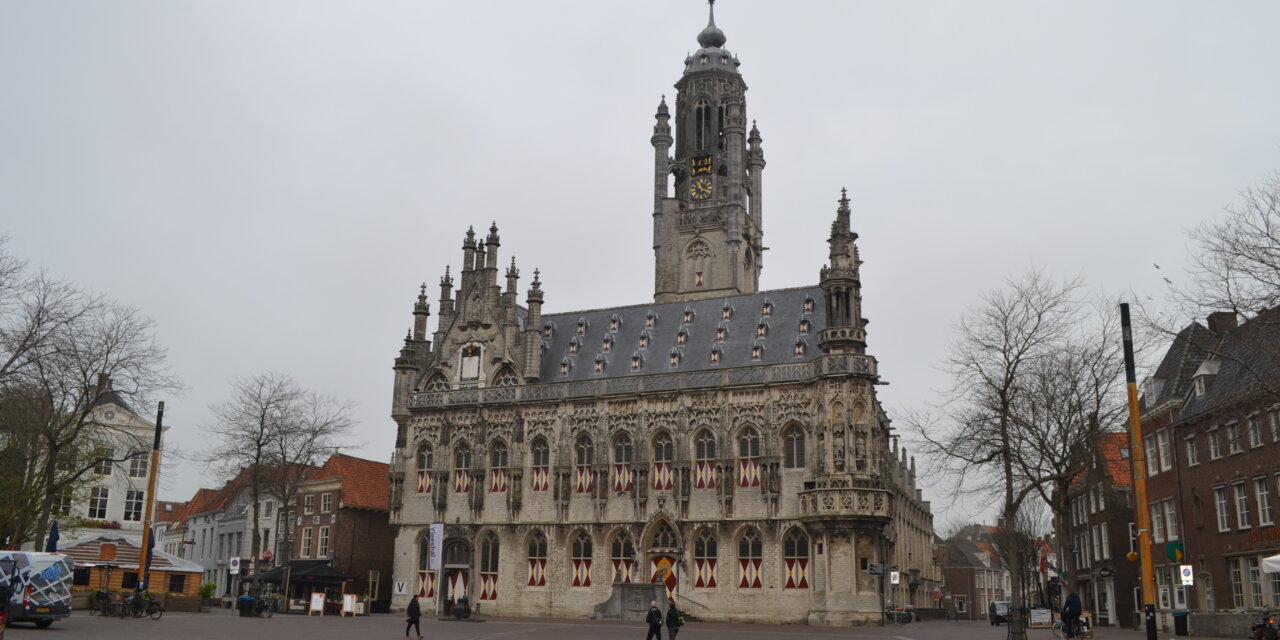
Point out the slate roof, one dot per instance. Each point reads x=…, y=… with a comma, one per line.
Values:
x=365, y=483
x=741, y=335
x=1188, y=349
x=85, y=553
x=1249, y=361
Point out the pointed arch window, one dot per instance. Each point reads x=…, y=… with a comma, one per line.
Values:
x=705, y=555
x=795, y=557
x=462, y=468
x=793, y=448
x=540, y=471
x=622, y=554
x=581, y=554
x=437, y=382
x=623, y=452
x=663, y=453
x=489, y=567
x=499, y=474
x=426, y=577
x=665, y=538
x=704, y=471
x=537, y=560
x=750, y=555
x=749, y=458
x=702, y=119
x=698, y=269
x=426, y=461
x=469, y=369
x=506, y=377
x=584, y=454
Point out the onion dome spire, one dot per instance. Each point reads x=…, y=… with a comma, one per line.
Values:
x=712, y=36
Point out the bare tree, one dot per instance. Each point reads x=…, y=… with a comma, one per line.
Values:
x=270, y=430
x=1237, y=257
x=981, y=436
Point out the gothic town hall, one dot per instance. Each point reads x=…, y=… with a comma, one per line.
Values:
x=720, y=443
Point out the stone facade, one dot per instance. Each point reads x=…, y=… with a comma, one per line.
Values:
x=722, y=441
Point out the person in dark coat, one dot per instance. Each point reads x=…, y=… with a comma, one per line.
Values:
x=414, y=612
x=1071, y=614
x=654, y=618
x=675, y=618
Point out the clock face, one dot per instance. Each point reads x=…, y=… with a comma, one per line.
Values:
x=700, y=188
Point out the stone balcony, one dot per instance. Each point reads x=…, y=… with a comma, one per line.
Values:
x=844, y=502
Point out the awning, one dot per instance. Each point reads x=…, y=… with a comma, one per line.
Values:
x=1272, y=564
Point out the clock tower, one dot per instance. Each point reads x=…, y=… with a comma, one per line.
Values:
x=707, y=235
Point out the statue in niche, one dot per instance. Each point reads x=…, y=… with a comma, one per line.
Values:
x=860, y=451
x=837, y=450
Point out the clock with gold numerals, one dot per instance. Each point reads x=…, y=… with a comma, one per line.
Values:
x=700, y=188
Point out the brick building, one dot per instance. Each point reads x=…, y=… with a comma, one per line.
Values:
x=342, y=516
x=973, y=574
x=1212, y=437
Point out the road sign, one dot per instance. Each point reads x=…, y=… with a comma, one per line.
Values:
x=875, y=569
x=234, y=567
x=1185, y=573
x=894, y=577
x=402, y=587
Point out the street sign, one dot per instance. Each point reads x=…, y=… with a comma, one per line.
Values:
x=894, y=577
x=234, y=567
x=1185, y=573
x=402, y=587
x=875, y=569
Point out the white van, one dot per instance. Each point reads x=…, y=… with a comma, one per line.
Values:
x=39, y=584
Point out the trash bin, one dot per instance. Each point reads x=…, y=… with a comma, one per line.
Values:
x=1180, y=623
x=245, y=604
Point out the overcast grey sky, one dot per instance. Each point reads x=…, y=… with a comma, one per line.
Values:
x=272, y=180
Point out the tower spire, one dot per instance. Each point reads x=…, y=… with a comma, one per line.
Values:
x=712, y=36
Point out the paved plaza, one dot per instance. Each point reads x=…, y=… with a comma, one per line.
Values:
x=223, y=624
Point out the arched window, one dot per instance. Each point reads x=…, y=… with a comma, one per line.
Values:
x=469, y=365
x=461, y=468
x=698, y=269
x=506, y=377
x=489, y=567
x=426, y=460
x=702, y=125
x=663, y=452
x=457, y=553
x=499, y=475
x=795, y=555
x=793, y=448
x=748, y=458
x=581, y=554
x=622, y=458
x=437, y=382
x=540, y=471
x=585, y=451
x=622, y=553
x=705, y=555
x=537, y=560
x=750, y=553
x=426, y=577
x=664, y=538
x=704, y=472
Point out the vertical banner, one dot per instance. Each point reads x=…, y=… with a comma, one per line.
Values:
x=435, y=536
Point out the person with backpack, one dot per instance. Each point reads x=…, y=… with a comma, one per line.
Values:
x=654, y=618
x=675, y=620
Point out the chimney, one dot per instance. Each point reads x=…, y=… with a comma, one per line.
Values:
x=104, y=381
x=1220, y=322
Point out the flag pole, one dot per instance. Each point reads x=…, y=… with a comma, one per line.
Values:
x=1139, y=461
x=145, y=560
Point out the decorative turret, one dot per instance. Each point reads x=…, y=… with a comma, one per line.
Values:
x=421, y=311
x=513, y=274
x=491, y=244
x=846, y=329
x=533, y=331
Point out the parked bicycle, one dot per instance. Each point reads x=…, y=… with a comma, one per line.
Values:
x=140, y=604
x=104, y=603
x=264, y=606
x=898, y=615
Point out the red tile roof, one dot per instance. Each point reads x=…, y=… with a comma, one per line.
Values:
x=365, y=483
x=168, y=511
x=1119, y=468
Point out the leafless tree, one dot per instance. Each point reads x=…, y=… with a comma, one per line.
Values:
x=1237, y=257
x=270, y=430
x=985, y=435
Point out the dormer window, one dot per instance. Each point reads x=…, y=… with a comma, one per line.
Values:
x=799, y=349
x=635, y=363
x=599, y=366
x=564, y=368
x=644, y=340
x=804, y=327
x=720, y=334
x=675, y=358
x=724, y=60
x=688, y=317
x=649, y=320
x=573, y=346
x=614, y=322
x=547, y=330
x=606, y=344
x=762, y=331
x=1199, y=385
x=756, y=352
x=682, y=337
x=702, y=59
x=715, y=356
x=766, y=309
x=808, y=305
x=582, y=327
x=726, y=313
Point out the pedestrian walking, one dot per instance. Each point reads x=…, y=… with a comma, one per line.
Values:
x=1071, y=614
x=414, y=612
x=675, y=620
x=654, y=618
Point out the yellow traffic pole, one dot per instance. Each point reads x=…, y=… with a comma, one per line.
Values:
x=1137, y=454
